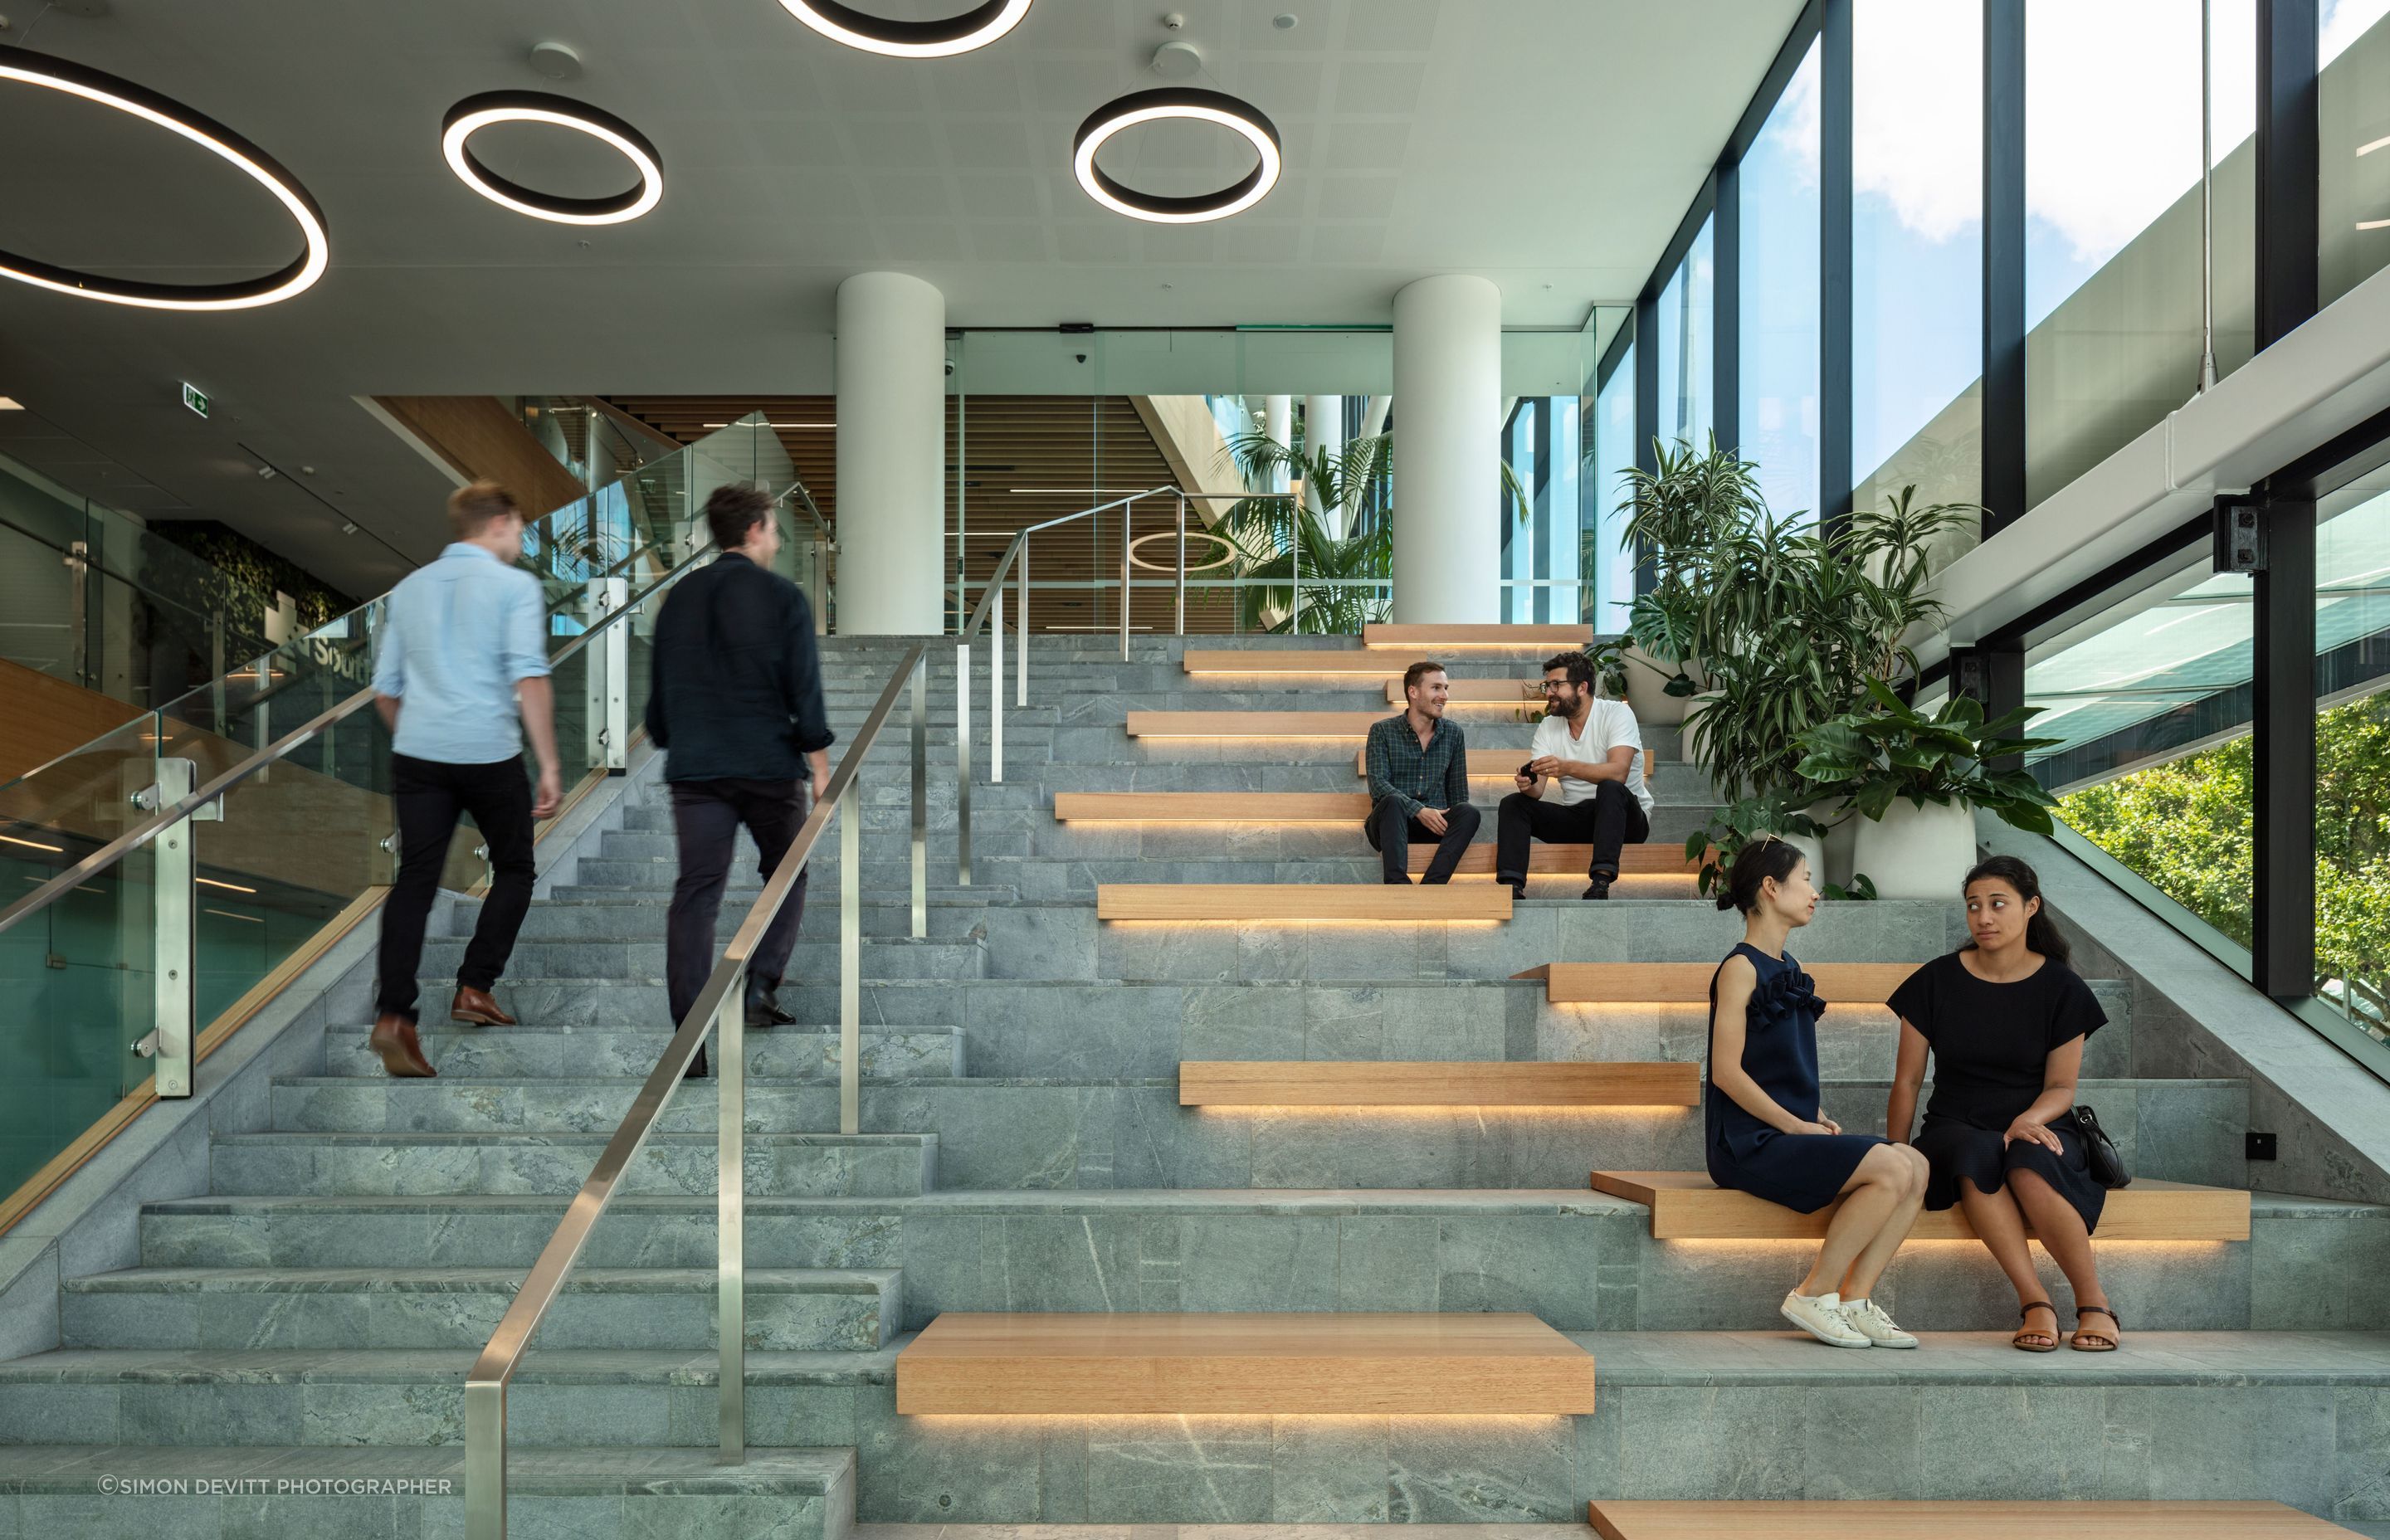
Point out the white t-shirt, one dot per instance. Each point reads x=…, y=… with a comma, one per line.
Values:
x=1609, y=724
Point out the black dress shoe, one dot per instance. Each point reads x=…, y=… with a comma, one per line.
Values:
x=1600, y=888
x=764, y=1007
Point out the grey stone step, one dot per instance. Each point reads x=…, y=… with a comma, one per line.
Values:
x=864, y=1165
x=1749, y=1415
x=1579, y=1259
x=548, y=1053
x=1021, y=1133
x=600, y=1494
x=883, y=956
x=641, y=918
x=791, y=1310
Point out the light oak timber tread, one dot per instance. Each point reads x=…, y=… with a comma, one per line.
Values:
x=1214, y=807
x=1455, y=1364
x=1311, y=900
x=1686, y=1205
x=1476, y=635
x=1253, y=724
x=1200, y=661
x=1639, y=860
x=1479, y=692
x=1567, y=983
x=1974, y=1518
x=1341, y=1082
x=1505, y=779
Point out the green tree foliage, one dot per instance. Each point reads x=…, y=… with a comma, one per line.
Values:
x=2186, y=828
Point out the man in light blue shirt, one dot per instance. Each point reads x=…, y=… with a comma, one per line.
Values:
x=461, y=675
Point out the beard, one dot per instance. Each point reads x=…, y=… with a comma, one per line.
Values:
x=1558, y=705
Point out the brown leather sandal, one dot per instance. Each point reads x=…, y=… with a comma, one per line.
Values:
x=2048, y=1340
x=2101, y=1342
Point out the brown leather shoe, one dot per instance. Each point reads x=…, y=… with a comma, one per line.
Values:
x=475, y=1009
x=402, y=1056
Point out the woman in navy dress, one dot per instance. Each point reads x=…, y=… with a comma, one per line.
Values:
x=2005, y=1019
x=1767, y=1130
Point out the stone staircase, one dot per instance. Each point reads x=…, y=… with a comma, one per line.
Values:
x=1024, y=1150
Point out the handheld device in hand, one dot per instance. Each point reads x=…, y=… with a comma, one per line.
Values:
x=1528, y=769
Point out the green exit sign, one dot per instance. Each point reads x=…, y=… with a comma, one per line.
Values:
x=195, y=398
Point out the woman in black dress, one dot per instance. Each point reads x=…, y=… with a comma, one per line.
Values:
x=2005, y=1021
x=1767, y=1130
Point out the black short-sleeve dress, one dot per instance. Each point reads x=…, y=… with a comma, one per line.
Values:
x=1991, y=1044
x=1803, y=1172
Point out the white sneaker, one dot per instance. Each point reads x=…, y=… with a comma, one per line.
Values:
x=1821, y=1317
x=1868, y=1318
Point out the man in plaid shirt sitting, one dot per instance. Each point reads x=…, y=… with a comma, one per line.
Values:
x=1418, y=780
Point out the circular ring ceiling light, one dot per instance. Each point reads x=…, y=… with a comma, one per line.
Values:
x=475, y=113
x=91, y=86
x=975, y=28
x=1205, y=106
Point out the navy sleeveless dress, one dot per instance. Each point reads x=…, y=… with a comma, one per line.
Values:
x=1803, y=1171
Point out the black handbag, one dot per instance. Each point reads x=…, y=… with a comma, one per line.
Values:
x=2099, y=1154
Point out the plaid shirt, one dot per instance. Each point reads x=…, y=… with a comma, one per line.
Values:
x=1436, y=775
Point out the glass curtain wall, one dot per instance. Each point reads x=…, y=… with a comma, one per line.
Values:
x=1779, y=346
x=1917, y=248
x=2353, y=104
x=1610, y=449
x=2352, y=872
x=1541, y=579
x=1687, y=326
x=2112, y=243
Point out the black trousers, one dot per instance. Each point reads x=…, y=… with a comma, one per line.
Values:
x=1608, y=818
x=1391, y=834
x=706, y=819
x=431, y=797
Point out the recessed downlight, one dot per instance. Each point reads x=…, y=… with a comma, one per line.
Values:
x=135, y=101
x=475, y=113
x=975, y=28
x=1196, y=106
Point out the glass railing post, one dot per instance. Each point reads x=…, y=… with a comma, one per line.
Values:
x=921, y=798
x=817, y=586
x=996, y=691
x=1179, y=624
x=962, y=764
x=172, y=909
x=730, y=1215
x=610, y=673
x=1128, y=550
x=850, y=957
x=1020, y=643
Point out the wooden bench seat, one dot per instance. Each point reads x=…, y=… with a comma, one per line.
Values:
x=1568, y=983
x=1094, y=1365
x=1496, y=784
x=1686, y=1205
x=1338, y=1083
x=1274, y=901
x=1642, y=860
x=1253, y=724
x=1973, y=1519
x=1323, y=662
x=1432, y=636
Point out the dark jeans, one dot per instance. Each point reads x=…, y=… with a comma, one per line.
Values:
x=706, y=817
x=1390, y=835
x=430, y=797
x=1610, y=818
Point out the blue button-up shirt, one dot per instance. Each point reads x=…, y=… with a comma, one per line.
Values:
x=456, y=638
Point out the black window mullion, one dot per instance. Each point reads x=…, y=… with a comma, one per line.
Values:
x=1834, y=405
x=2003, y=401
x=1725, y=307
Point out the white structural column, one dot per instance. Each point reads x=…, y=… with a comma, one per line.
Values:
x=1323, y=427
x=892, y=455
x=1278, y=421
x=1448, y=476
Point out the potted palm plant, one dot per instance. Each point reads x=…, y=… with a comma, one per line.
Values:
x=1916, y=779
x=1677, y=513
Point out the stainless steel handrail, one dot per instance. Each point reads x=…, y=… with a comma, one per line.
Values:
x=167, y=817
x=722, y=1004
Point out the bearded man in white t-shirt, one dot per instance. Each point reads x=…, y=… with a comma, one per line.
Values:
x=1583, y=784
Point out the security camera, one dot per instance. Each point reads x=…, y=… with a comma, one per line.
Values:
x=1080, y=356
x=950, y=367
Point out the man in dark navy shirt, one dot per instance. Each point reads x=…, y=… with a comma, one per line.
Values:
x=736, y=706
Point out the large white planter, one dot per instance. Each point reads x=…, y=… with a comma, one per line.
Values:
x=1917, y=853
x=1839, y=840
x=1646, y=690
